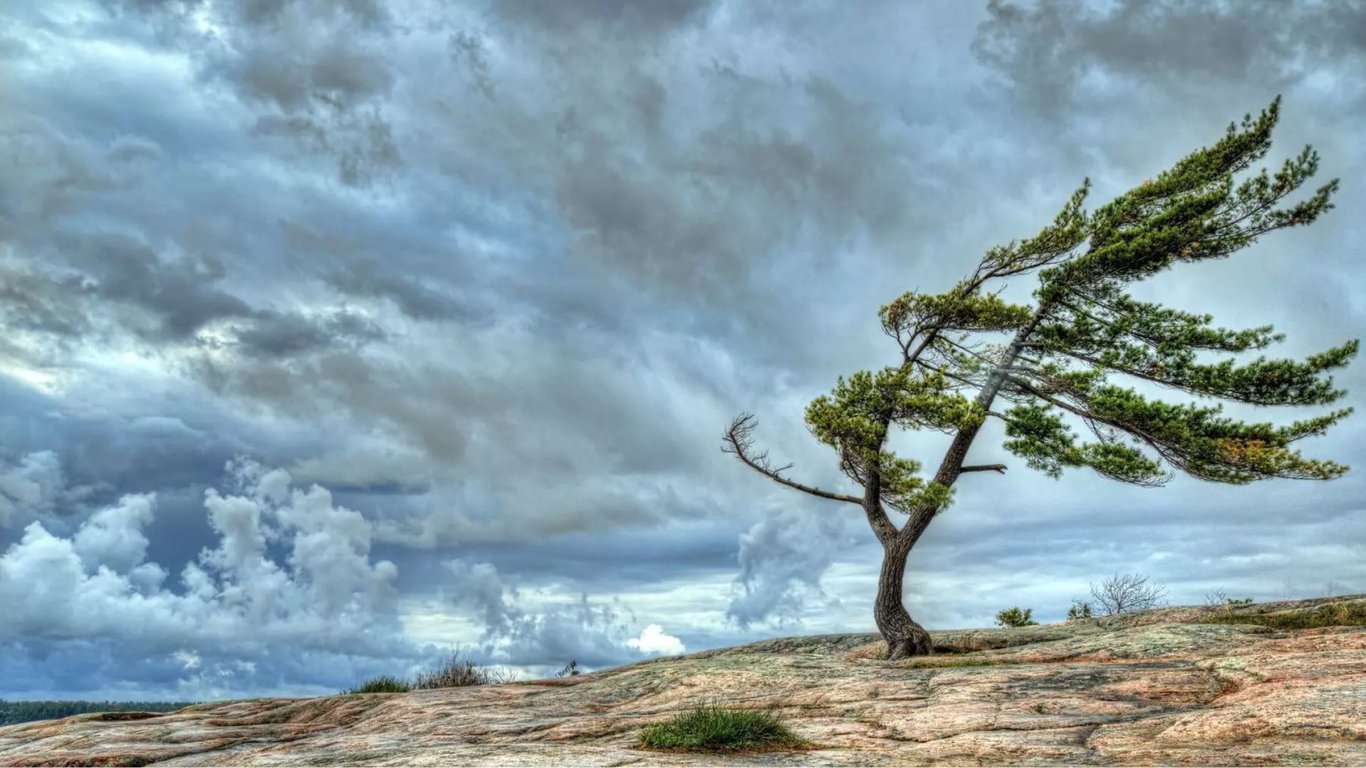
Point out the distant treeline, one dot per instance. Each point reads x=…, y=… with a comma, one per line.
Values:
x=12, y=712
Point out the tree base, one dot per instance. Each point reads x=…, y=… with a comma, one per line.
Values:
x=914, y=643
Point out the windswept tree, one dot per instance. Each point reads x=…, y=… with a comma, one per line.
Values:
x=1069, y=360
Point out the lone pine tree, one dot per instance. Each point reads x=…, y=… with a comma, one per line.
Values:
x=1064, y=359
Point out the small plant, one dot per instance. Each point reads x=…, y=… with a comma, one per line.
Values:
x=1127, y=593
x=1080, y=610
x=1015, y=617
x=720, y=729
x=1219, y=598
x=382, y=684
x=457, y=672
x=569, y=670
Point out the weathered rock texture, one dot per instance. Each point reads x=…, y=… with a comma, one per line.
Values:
x=1153, y=688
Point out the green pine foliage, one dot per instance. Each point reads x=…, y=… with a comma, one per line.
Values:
x=1069, y=366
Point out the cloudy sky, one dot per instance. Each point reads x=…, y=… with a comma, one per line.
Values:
x=341, y=333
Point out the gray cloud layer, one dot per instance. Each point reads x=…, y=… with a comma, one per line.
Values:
x=498, y=274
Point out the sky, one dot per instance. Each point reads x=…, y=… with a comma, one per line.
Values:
x=342, y=334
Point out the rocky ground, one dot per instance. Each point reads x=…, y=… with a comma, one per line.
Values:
x=1154, y=688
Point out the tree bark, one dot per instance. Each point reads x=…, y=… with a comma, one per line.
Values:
x=904, y=637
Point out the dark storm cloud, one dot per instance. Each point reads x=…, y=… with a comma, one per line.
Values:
x=273, y=334
x=1046, y=48
x=180, y=297
x=414, y=297
x=37, y=303
x=627, y=17
x=316, y=72
x=497, y=275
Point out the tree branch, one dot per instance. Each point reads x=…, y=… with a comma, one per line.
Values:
x=1001, y=468
x=739, y=441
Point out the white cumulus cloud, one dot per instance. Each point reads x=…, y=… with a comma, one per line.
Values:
x=288, y=599
x=653, y=640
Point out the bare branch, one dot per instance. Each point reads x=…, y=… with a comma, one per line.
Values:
x=1001, y=468
x=1127, y=593
x=739, y=440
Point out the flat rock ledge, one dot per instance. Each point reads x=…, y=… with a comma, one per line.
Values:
x=1163, y=687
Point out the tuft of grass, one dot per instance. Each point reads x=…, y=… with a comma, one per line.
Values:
x=1335, y=615
x=721, y=729
x=382, y=684
x=452, y=672
x=457, y=672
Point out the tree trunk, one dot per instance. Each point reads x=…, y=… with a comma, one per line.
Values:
x=904, y=637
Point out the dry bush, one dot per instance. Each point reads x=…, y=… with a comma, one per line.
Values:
x=1126, y=593
x=457, y=672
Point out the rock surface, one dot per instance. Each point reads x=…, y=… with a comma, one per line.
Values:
x=1153, y=688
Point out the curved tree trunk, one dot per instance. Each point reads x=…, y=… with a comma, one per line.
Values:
x=904, y=637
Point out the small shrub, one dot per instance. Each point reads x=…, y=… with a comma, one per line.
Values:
x=457, y=672
x=720, y=729
x=1127, y=593
x=382, y=684
x=1015, y=617
x=1080, y=610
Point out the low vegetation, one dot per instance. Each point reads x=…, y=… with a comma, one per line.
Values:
x=1219, y=597
x=1333, y=615
x=721, y=729
x=1080, y=610
x=454, y=671
x=457, y=672
x=383, y=684
x=12, y=712
x=1016, y=617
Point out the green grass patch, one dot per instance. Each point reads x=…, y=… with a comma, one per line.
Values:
x=721, y=729
x=382, y=684
x=1336, y=615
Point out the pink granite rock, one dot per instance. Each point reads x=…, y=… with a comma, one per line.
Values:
x=1153, y=688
